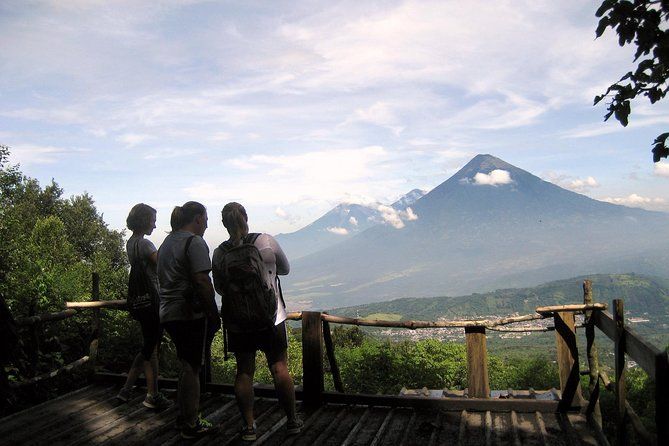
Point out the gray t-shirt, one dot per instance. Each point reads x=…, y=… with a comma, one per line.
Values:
x=174, y=278
x=144, y=248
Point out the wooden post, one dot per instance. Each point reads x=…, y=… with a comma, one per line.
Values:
x=567, y=358
x=312, y=358
x=332, y=359
x=621, y=391
x=593, y=357
x=95, y=322
x=662, y=397
x=477, y=362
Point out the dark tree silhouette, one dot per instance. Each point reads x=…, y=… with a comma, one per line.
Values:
x=643, y=23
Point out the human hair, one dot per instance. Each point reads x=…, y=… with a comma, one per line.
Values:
x=183, y=215
x=139, y=217
x=235, y=220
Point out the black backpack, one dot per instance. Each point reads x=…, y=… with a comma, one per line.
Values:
x=142, y=295
x=248, y=303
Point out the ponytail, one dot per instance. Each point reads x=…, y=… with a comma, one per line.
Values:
x=235, y=220
x=183, y=215
x=176, y=218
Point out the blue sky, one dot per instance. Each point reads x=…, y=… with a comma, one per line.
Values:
x=291, y=107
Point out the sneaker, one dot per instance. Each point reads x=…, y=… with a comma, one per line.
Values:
x=249, y=433
x=124, y=394
x=294, y=427
x=157, y=401
x=201, y=429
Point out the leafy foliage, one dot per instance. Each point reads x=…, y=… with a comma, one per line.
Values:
x=50, y=246
x=643, y=23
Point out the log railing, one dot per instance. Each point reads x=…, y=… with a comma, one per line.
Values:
x=72, y=310
x=317, y=339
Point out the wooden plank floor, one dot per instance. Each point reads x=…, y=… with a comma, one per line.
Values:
x=92, y=415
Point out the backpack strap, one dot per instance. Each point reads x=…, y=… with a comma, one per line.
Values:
x=186, y=258
x=251, y=238
x=278, y=282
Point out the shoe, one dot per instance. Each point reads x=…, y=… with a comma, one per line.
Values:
x=294, y=427
x=124, y=394
x=249, y=433
x=157, y=402
x=201, y=429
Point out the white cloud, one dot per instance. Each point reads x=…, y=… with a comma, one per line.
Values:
x=26, y=154
x=381, y=114
x=410, y=215
x=281, y=213
x=168, y=153
x=353, y=221
x=613, y=126
x=395, y=218
x=575, y=184
x=494, y=178
x=391, y=216
x=133, y=139
x=580, y=185
x=661, y=169
x=635, y=200
x=337, y=230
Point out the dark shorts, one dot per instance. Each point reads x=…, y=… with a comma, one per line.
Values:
x=152, y=333
x=189, y=339
x=273, y=342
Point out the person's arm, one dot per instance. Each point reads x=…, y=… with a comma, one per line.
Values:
x=148, y=251
x=218, y=285
x=282, y=265
x=200, y=265
x=205, y=290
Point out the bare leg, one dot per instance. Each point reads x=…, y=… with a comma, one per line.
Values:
x=151, y=373
x=135, y=370
x=246, y=365
x=283, y=383
x=188, y=394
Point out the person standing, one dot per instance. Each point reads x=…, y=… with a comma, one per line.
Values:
x=272, y=341
x=142, y=253
x=188, y=310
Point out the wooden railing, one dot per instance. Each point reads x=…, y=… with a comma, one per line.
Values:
x=317, y=340
x=33, y=323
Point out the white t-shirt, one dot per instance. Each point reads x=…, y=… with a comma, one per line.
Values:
x=276, y=263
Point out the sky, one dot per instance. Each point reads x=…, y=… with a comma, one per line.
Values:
x=291, y=107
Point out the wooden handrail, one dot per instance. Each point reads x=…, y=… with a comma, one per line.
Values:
x=66, y=368
x=47, y=317
x=96, y=304
x=641, y=351
x=413, y=325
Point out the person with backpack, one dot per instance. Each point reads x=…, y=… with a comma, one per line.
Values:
x=188, y=310
x=143, y=305
x=246, y=269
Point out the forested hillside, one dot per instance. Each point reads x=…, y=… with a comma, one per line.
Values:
x=50, y=246
x=642, y=295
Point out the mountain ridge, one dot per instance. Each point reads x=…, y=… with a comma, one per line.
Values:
x=486, y=223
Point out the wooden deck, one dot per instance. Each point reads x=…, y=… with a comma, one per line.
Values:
x=92, y=415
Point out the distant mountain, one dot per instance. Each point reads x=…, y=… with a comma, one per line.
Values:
x=339, y=224
x=643, y=295
x=408, y=199
x=646, y=302
x=490, y=225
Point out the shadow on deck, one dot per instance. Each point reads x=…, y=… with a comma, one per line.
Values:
x=93, y=415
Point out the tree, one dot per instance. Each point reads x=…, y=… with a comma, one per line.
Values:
x=643, y=23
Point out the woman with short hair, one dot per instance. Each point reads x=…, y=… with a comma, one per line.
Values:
x=272, y=341
x=142, y=221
